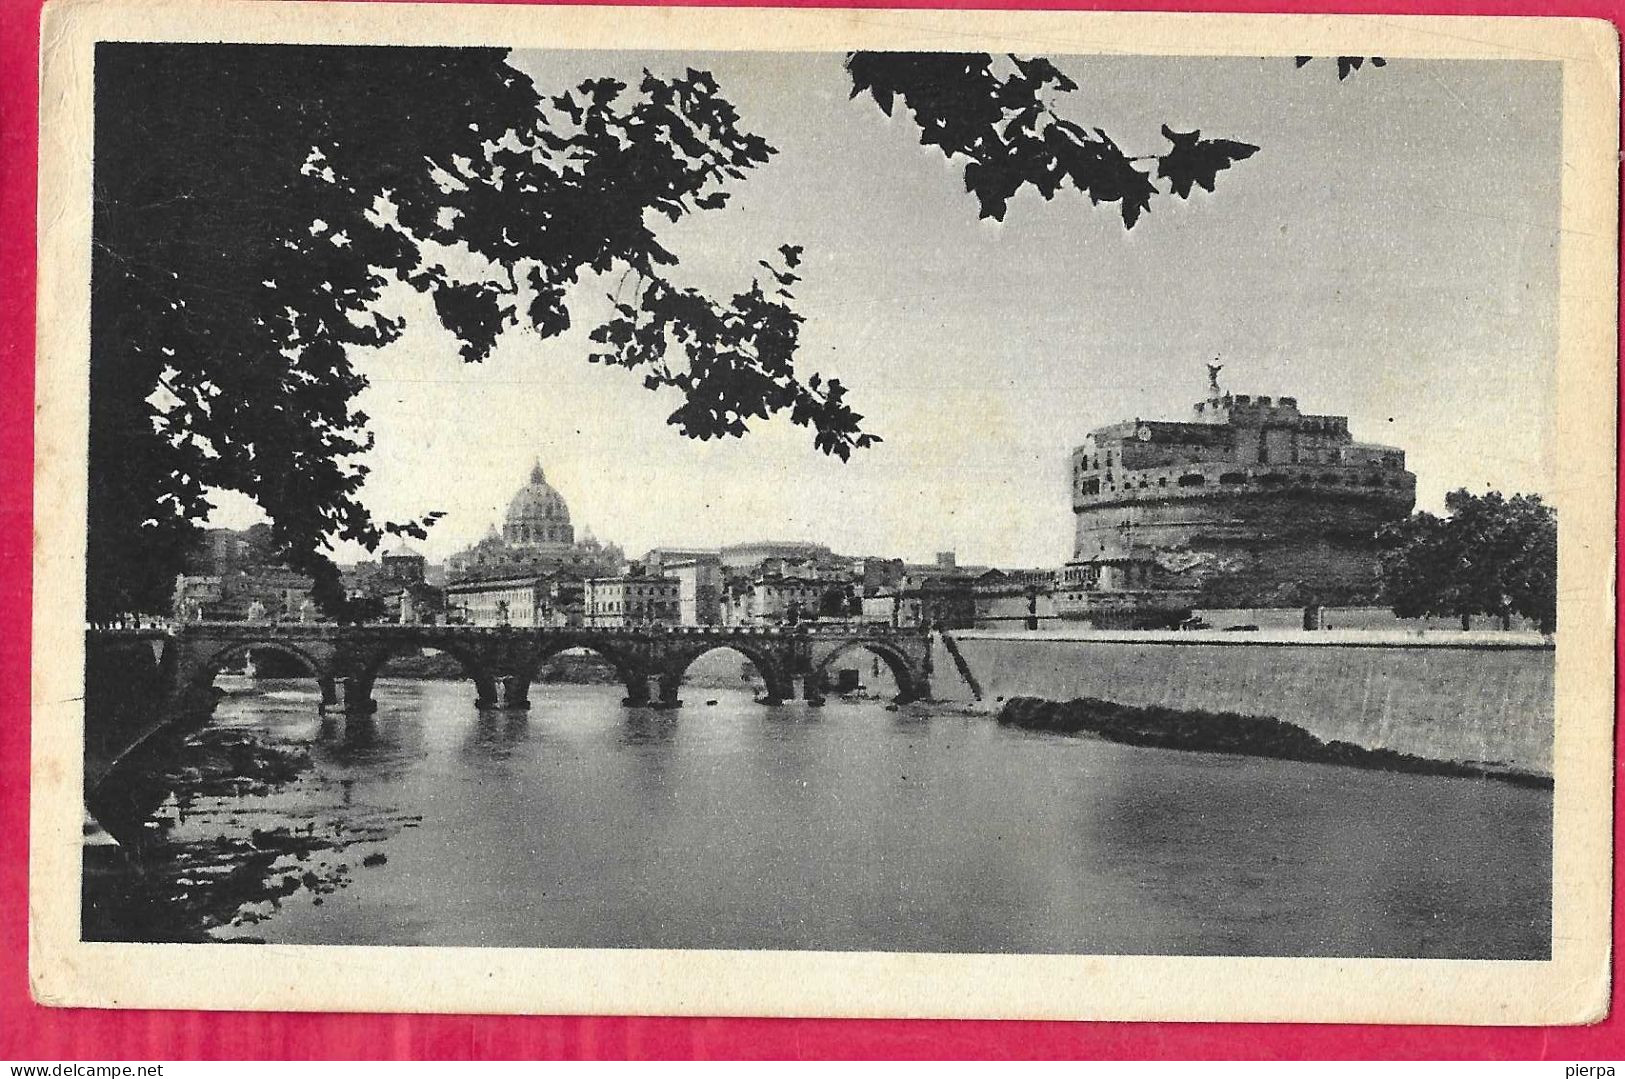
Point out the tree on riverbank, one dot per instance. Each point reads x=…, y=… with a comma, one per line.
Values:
x=1491, y=555
x=253, y=202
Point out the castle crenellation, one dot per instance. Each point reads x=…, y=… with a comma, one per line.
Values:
x=1249, y=502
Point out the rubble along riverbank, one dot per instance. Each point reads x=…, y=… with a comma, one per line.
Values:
x=1233, y=733
x=205, y=851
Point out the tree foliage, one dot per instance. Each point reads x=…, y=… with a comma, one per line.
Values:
x=1347, y=65
x=1490, y=555
x=1000, y=120
x=251, y=204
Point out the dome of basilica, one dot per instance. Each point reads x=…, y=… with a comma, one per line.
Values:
x=537, y=515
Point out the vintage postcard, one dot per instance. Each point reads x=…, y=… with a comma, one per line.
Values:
x=848, y=513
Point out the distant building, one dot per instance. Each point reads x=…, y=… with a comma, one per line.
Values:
x=232, y=574
x=946, y=564
x=699, y=589
x=939, y=602
x=394, y=589
x=749, y=556
x=992, y=599
x=658, y=558
x=527, y=600
x=929, y=602
x=772, y=600
x=829, y=568
x=278, y=595
x=537, y=539
x=873, y=575
x=198, y=596
x=1249, y=503
x=223, y=552
x=880, y=607
x=1014, y=599
x=633, y=600
x=405, y=565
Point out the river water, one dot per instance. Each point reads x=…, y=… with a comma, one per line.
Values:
x=583, y=823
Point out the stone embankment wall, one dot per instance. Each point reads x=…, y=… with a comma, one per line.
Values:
x=1469, y=697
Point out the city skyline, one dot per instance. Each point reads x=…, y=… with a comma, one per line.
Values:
x=1428, y=320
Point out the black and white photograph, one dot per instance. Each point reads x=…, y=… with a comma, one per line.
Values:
x=968, y=497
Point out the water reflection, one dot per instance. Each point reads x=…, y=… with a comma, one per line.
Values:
x=496, y=734
x=643, y=726
x=348, y=738
x=583, y=823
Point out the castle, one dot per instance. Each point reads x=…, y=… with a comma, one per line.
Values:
x=1248, y=503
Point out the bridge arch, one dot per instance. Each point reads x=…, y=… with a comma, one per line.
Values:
x=473, y=664
x=634, y=677
x=205, y=669
x=776, y=676
x=912, y=683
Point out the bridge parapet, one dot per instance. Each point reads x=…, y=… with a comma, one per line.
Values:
x=864, y=629
x=128, y=633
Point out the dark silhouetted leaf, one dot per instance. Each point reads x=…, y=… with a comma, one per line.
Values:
x=1195, y=160
x=1010, y=137
x=1346, y=65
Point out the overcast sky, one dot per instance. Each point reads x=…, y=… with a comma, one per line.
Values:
x=1389, y=254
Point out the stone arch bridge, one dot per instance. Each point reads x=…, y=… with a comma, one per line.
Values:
x=504, y=661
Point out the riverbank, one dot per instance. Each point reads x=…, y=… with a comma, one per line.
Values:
x=1469, y=698
x=201, y=857
x=1232, y=733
